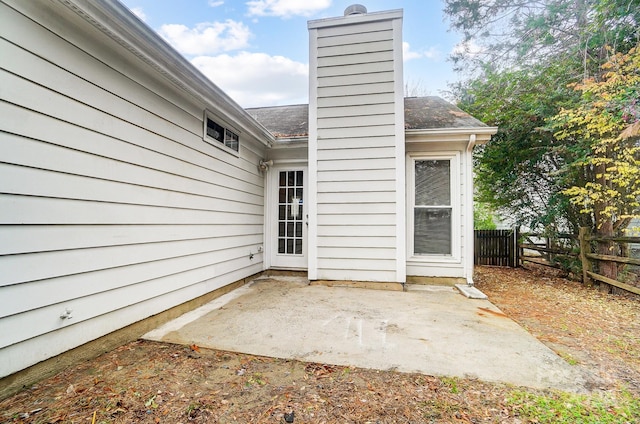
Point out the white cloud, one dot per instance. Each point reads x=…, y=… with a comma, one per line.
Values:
x=215, y=3
x=467, y=48
x=286, y=8
x=207, y=37
x=139, y=13
x=408, y=54
x=257, y=79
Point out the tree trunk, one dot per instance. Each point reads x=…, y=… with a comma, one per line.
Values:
x=607, y=268
x=604, y=228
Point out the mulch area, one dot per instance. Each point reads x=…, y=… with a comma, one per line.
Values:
x=587, y=326
x=149, y=382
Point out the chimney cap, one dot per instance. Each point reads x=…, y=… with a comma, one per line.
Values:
x=355, y=9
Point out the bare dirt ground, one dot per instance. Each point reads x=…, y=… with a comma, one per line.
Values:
x=148, y=382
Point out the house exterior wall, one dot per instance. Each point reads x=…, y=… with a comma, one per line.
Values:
x=442, y=266
x=356, y=149
x=113, y=206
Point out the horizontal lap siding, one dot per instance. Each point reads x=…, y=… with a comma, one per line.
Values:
x=345, y=80
x=111, y=204
x=356, y=149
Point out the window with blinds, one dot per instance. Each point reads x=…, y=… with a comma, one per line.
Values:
x=433, y=208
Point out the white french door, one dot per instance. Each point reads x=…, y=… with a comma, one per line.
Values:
x=288, y=217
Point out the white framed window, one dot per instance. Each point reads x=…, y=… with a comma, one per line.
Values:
x=434, y=206
x=221, y=134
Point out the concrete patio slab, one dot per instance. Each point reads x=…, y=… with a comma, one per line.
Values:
x=427, y=329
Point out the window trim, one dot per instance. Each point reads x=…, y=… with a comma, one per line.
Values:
x=456, y=206
x=208, y=115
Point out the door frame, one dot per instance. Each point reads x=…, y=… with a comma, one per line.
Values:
x=271, y=214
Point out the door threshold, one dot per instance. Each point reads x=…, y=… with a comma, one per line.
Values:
x=285, y=272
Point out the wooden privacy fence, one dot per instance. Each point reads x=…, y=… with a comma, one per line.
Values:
x=496, y=247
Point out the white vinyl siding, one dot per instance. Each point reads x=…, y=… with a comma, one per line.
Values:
x=111, y=203
x=356, y=150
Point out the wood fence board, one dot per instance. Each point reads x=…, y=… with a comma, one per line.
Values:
x=496, y=247
x=617, y=259
x=612, y=282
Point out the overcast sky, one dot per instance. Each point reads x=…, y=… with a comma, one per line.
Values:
x=257, y=51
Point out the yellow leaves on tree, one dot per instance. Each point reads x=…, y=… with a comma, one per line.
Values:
x=606, y=124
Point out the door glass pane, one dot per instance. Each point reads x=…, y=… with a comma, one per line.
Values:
x=432, y=231
x=290, y=211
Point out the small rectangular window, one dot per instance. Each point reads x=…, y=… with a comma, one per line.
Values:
x=216, y=130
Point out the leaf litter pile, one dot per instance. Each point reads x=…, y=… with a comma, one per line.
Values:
x=150, y=382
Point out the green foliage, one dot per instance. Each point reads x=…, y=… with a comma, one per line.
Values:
x=514, y=172
x=526, y=58
x=569, y=264
x=505, y=33
x=483, y=218
x=451, y=383
x=603, y=122
x=558, y=408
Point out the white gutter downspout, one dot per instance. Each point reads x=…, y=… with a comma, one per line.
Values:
x=469, y=239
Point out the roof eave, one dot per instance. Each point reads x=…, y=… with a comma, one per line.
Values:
x=119, y=24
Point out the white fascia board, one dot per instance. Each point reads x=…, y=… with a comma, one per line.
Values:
x=122, y=26
x=348, y=20
x=483, y=134
x=290, y=143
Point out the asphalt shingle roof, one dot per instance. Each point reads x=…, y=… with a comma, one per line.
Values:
x=283, y=121
x=431, y=112
x=434, y=112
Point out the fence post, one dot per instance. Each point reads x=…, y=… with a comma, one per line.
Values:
x=515, y=262
x=585, y=248
x=519, y=251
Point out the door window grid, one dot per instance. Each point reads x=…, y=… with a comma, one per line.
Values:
x=290, y=208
